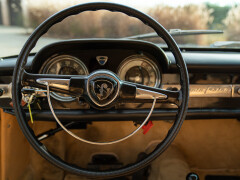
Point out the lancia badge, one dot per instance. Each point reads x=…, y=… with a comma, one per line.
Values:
x=102, y=60
x=103, y=89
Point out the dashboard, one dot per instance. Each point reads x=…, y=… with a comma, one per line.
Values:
x=214, y=77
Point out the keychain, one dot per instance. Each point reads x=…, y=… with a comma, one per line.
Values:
x=29, y=107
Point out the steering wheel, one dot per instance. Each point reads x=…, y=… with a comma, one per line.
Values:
x=87, y=86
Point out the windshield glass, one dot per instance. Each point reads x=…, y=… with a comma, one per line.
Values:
x=18, y=18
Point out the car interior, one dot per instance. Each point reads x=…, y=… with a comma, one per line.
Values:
x=142, y=106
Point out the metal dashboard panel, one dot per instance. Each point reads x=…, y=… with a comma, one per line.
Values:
x=210, y=90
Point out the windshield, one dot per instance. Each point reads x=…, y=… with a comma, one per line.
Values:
x=18, y=18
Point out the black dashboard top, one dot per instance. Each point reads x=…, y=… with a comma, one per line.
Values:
x=197, y=60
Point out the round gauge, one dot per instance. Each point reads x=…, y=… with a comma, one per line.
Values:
x=64, y=65
x=139, y=69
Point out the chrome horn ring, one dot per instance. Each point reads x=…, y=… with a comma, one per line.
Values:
x=115, y=95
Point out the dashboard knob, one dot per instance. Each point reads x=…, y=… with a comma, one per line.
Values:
x=192, y=176
x=1, y=92
x=238, y=91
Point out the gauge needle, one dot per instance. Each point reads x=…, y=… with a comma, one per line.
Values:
x=141, y=71
x=58, y=68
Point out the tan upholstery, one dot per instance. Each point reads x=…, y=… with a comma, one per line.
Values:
x=208, y=146
x=170, y=165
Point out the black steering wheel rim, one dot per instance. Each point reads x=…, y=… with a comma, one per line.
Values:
x=29, y=45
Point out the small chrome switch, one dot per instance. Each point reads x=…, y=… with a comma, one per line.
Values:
x=1, y=92
x=238, y=91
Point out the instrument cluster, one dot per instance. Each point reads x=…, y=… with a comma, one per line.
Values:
x=136, y=68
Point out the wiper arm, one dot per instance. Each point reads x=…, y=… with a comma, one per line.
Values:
x=177, y=32
x=225, y=43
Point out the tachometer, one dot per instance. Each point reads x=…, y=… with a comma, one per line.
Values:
x=64, y=65
x=139, y=69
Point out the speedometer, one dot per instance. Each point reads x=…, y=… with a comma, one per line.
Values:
x=64, y=65
x=139, y=69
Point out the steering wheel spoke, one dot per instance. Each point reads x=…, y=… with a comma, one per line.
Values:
x=140, y=92
x=58, y=83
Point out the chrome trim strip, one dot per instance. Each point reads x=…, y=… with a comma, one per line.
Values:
x=209, y=90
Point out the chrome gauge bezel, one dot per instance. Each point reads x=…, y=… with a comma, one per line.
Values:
x=53, y=60
x=130, y=60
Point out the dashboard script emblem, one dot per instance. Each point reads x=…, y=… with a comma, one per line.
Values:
x=103, y=89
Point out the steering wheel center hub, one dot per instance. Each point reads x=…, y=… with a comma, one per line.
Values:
x=103, y=88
